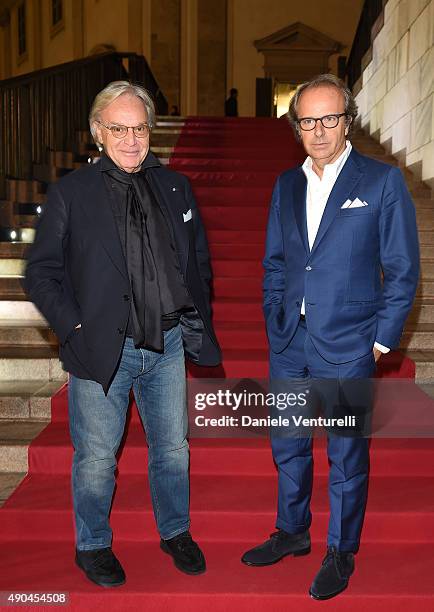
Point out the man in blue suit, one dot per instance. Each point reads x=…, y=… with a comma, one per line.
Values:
x=337, y=224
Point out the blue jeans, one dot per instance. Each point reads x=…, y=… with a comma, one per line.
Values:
x=97, y=424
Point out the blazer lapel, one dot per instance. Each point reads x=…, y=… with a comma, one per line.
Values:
x=347, y=180
x=97, y=208
x=299, y=199
x=174, y=215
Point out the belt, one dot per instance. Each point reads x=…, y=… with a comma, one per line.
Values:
x=302, y=317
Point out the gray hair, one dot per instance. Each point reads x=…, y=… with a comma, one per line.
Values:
x=323, y=80
x=112, y=91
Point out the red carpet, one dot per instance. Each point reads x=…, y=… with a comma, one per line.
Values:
x=233, y=481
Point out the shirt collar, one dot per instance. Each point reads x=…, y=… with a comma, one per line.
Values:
x=107, y=163
x=331, y=171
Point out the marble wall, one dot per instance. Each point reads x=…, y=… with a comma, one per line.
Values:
x=396, y=102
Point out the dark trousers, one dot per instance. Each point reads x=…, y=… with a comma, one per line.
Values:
x=348, y=453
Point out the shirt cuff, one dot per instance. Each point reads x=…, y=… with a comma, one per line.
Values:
x=381, y=348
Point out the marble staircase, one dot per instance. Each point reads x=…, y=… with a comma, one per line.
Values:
x=418, y=338
x=30, y=372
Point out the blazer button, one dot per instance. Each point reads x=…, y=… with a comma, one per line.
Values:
x=126, y=298
x=120, y=330
x=308, y=268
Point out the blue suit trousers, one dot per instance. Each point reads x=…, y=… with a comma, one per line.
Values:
x=348, y=455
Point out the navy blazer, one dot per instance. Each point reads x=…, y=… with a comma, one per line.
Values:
x=76, y=270
x=360, y=278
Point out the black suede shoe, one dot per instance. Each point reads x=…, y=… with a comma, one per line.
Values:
x=186, y=554
x=101, y=566
x=334, y=575
x=278, y=546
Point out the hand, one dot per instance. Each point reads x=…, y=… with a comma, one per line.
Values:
x=377, y=354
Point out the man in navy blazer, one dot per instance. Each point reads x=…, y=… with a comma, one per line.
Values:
x=341, y=271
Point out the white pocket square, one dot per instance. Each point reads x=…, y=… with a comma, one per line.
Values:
x=187, y=215
x=354, y=204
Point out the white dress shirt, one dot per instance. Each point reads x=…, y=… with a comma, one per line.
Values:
x=317, y=194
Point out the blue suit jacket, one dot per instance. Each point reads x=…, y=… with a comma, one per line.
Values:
x=349, y=305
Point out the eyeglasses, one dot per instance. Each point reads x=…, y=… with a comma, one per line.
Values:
x=120, y=131
x=328, y=121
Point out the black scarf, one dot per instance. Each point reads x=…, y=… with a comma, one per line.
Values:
x=145, y=292
x=158, y=291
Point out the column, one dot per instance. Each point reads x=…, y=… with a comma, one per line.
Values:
x=189, y=57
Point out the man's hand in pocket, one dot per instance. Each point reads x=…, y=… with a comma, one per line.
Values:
x=377, y=354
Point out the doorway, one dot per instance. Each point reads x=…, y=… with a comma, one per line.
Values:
x=283, y=93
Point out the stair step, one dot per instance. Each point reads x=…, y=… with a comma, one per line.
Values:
x=233, y=151
x=239, y=268
x=427, y=268
x=422, y=311
x=168, y=120
x=8, y=483
x=427, y=250
x=27, y=399
x=254, y=252
x=199, y=164
x=426, y=288
x=239, y=309
x=14, y=250
x=423, y=203
x=161, y=138
x=228, y=584
x=234, y=217
x=24, y=221
x=241, y=334
x=15, y=438
x=218, y=195
x=164, y=151
x=233, y=237
x=424, y=361
x=26, y=336
x=13, y=310
x=167, y=129
x=420, y=336
x=52, y=453
x=30, y=363
x=391, y=499
x=418, y=190
x=11, y=289
x=237, y=287
x=229, y=179
x=425, y=218
x=12, y=267
x=426, y=236
x=243, y=362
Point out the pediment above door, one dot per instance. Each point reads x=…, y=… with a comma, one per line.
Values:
x=296, y=53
